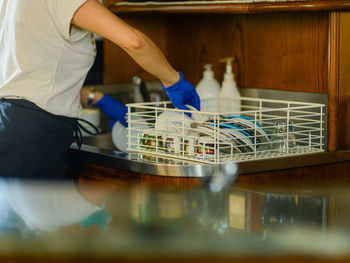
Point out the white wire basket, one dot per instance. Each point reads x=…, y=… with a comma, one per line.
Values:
x=260, y=129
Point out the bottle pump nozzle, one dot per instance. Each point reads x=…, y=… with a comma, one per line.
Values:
x=228, y=74
x=208, y=73
x=207, y=67
x=229, y=89
x=228, y=61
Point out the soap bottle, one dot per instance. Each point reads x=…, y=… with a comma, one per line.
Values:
x=208, y=90
x=230, y=98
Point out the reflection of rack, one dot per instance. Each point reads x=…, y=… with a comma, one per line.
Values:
x=253, y=211
x=262, y=129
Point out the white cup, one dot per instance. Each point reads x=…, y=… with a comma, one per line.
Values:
x=93, y=116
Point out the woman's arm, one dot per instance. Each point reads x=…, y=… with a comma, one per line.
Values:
x=93, y=16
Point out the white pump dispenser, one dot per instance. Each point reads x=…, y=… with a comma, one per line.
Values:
x=229, y=90
x=208, y=88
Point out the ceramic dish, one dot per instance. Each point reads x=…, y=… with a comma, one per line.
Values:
x=206, y=146
x=236, y=139
x=209, y=131
x=173, y=122
x=241, y=137
x=244, y=143
x=232, y=126
x=205, y=131
x=172, y=144
x=150, y=141
x=197, y=116
x=120, y=133
x=249, y=125
x=237, y=128
x=238, y=144
x=187, y=146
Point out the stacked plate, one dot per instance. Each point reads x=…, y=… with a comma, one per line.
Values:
x=177, y=133
x=242, y=133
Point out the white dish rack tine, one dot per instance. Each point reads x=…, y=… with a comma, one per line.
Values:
x=262, y=129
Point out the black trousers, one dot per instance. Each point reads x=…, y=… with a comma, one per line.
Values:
x=33, y=142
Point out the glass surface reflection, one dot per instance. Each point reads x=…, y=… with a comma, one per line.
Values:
x=93, y=217
x=49, y=206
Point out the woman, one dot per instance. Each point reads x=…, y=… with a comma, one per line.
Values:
x=46, y=52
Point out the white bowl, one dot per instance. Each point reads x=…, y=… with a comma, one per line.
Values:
x=93, y=116
x=120, y=133
x=173, y=122
x=197, y=115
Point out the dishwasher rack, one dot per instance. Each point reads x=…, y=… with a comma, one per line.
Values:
x=262, y=129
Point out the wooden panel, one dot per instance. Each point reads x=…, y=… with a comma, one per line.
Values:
x=287, y=52
x=343, y=126
x=125, y=178
x=276, y=51
x=333, y=91
x=118, y=65
x=339, y=79
x=98, y=172
x=196, y=40
x=312, y=177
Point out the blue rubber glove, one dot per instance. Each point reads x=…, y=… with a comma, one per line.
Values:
x=114, y=109
x=182, y=93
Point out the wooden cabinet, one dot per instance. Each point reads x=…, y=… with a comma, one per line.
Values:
x=295, y=46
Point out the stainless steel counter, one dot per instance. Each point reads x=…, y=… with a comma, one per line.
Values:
x=139, y=163
x=100, y=150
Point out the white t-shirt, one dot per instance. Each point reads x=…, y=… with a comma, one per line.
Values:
x=42, y=58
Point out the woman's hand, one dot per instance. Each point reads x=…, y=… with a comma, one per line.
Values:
x=114, y=109
x=183, y=93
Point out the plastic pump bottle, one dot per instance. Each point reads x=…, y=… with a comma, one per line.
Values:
x=208, y=89
x=229, y=94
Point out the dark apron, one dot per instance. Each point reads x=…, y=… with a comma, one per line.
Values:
x=33, y=142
